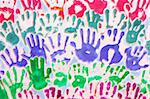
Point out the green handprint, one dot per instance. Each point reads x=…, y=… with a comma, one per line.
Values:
x=116, y=75
x=14, y=85
x=36, y=73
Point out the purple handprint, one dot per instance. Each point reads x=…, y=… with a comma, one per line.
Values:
x=87, y=53
x=36, y=49
x=19, y=63
x=60, y=51
x=132, y=61
x=104, y=51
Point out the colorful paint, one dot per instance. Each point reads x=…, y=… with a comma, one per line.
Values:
x=74, y=49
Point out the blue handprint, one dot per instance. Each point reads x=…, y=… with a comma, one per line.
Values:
x=104, y=51
x=87, y=53
x=17, y=62
x=59, y=51
x=35, y=48
x=132, y=61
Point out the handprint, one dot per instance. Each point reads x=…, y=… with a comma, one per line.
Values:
x=10, y=62
x=133, y=14
x=93, y=21
x=7, y=10
x=132, y=92
x=26, y=24
x=79, y=76
x=35, y=48
x=37, y=75
x=115, y=19
x=31, y=4
x=87, y=53
x=104, y=94
x=50, y=23
x=75, y=24
x=14, y=86
x=57, y=5
x=133, y=60
x=134, y=8
x=27, y=95
x=53, y=93
x=72, y=8
x=9, y=33
x=60, y=51
x=133, y=33
x=117, y=75
x=105, y=50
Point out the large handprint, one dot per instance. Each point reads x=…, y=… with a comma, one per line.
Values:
x=133, y=60
x=36, y=73
x=87, y=52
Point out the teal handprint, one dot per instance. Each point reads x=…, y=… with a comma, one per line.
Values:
x=14, y=86
x=37, y=75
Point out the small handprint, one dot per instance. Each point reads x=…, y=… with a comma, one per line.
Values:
x=105, y=50
x=26, y=24
x=104, y=94
x=133, y=60
x=132, y=92
x=79, y=74
x=37, y=75
x=49, y=23
x=87, y=52
x=10, y=62
x=61, y=50
x=93, y=21
x=134, y=31
x=37, y=47
x=116, y=75
x=31, y=4
x=9, y=33
x=74, y=25
x=7, y=10
x=53, y=93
